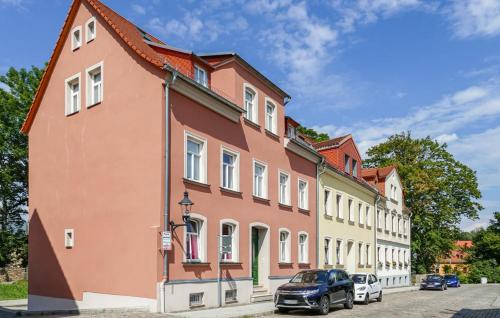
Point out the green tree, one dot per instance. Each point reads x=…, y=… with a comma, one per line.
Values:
x=17, y=89
x=438, y=189
x=313, y=134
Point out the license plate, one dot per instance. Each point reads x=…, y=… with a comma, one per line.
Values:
x=291, y=301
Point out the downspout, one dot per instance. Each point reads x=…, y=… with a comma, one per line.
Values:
x=320, y=166
x=166, y=201
x=375, y=227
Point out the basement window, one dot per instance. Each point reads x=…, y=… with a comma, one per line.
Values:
x=195, y=299
x=231, y=296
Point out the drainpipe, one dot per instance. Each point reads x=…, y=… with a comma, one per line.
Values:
x=166, y=193
x=375, y=227
x=320, y=169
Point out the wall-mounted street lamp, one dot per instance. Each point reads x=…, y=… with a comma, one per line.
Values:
x=186, y=205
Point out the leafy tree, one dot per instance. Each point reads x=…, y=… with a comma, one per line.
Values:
x=313, y=134
x=438, y=189
x=17, y=89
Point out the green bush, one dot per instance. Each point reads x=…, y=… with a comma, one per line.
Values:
x=485, y=268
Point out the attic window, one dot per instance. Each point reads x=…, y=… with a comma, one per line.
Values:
x=76, y=38
x=90, y=29
x=291, y=131
x=200, y=76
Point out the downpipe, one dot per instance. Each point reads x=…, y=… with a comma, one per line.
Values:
x=320, y=169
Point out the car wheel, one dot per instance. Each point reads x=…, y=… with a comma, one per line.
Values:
x=349, y=302
x=367, y=299
x=324, y=305
x=442, y=287
x=458, y=285
x=283, y=310
x=379, y=298
x=445, y=287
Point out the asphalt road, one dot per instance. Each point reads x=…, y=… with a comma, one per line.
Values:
x=476, y=301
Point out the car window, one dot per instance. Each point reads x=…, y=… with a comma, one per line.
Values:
x=370, y=279
x=309, y=277
x=374, y=278
x=433, y=278
x=332, y=277
x=342, y=275
x=359, y=278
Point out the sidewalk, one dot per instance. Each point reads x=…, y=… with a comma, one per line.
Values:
x=10, y=308
x=257, y=309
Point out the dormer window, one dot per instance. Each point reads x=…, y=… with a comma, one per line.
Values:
x=90, y=29
x=354, y=168
x=76, y=38
x=250, y=104
x=200, y=76
x=347, y=167
x=291, y=131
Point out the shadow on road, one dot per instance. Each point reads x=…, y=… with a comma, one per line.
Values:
x=466, y=313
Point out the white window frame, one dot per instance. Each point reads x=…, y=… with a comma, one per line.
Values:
x=368, y=215
x=274, y=127
x=90, y=71
x=368, y=250
x=235, y=242
x=68, y=109
x=303, y=205
x=69, y=238
x=236, y=168
x=339, y=259
x=360, y=253
x=88, y=36
x=328, y=201
x=202, y=239
x=74, y=43
x=361, y=211
x=339, y=204
x=291, y=131
x=379, y=223
x=354, y=168
x=387, y=217
x=329, y=254
x=203, y=156
x=286, y=252
x=350, y=208
x=255, y=103
x=264, y=177
x=303, y=258
x=198, y=70
x=286, y=200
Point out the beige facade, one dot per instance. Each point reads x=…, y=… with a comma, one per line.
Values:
x=346, y=222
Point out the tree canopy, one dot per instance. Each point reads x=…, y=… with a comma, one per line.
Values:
x=17, y=89
x=313, y=134
x=439, y=190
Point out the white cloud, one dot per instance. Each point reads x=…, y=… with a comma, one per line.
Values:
x=468, y=95
x=475, y=18
x=138, y=9
x=446, y=138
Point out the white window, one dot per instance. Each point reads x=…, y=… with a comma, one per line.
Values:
x=387, y=221
x=303, y=248
x=194, y=240
x=228, y=242
x=354, y=168
x=328, y=251
x=350, y=206
x=230, y=169
x=200, y=76
x=339, y=205
x=368, y=256
x=328, y=201
x=338, y=252
x=368, y=216
x=195, y=158
x=76, y=37
x=394, y=223
x=69, y=238
x=284, y=246
x=259, y=180
x=95, y=77
x=284, y=188
x=271, y=117
x=250, y=106
x=290, y=132
x=347, y=167
x=360, y=253
x=195, y=299
x=72, y=104
x=360, y=213
x=405, y=227
x=303, y=195
x=90, y=29
x=379, y=221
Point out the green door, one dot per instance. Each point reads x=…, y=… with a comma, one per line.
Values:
x=255, y=256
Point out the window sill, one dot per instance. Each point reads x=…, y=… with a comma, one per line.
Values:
x=229, y=191
x=361, y=265
x=339, y=266
x=196, y=183
x=328, y=217
x=361, y=225
x=196, y=306
x=73, y=113
x=340, y=219
x=351, y=222
x=305, y=211
x=261, y=200
x=229, y=263
x=285, y=206
x=93, y=105
x=369, y=227
x=272, y=135
x=328, y=266
x=368, y=266
x=285, y=263
x=304, y=265
x=387, y=231
x=188, y=263
x=394, y=201
x=251, y=123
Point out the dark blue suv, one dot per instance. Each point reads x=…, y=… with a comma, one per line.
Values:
x=317, y=290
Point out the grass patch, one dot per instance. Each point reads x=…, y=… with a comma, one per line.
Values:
x=17, y=290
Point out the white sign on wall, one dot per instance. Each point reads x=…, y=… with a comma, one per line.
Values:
x=166, y=240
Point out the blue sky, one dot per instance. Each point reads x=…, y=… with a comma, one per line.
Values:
x=369, y=67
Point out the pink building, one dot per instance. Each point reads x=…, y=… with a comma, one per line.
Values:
x=121, y=126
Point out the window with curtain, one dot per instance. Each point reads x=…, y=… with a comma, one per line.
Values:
x=284, y=246
x=303, y=248
x=228, y=241
x=193, y=243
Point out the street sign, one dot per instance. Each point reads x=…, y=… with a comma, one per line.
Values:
x=166, y=240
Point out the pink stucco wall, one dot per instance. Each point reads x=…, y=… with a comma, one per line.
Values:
x=98, y=172
x=251, y=143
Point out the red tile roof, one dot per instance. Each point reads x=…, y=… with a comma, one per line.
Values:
x=334, y=142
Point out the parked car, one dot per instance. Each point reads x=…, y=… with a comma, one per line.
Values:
x=452, y=280
x=316, y=290
x=366, y=287
x=433, y=282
